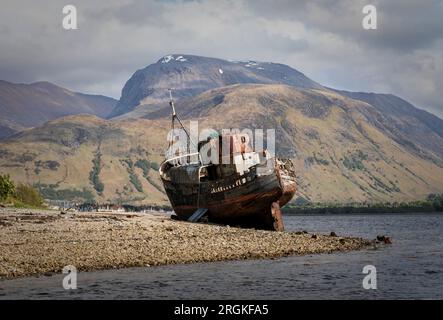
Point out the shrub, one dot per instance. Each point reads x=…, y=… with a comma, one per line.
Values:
x=144, y=165
x=321, y=161
x=155, y=166
x=132, y=176
x=437, y=201
x=52, y=193
x=28, y=195
x=301, y=201
x=7, y=187
x=135, y=182
x=95, y=172
x=353, y=163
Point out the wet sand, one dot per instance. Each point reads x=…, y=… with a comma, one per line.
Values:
x=36, y=242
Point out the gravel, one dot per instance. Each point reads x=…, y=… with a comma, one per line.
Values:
x=41, y=241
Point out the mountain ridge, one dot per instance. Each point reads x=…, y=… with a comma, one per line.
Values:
x=347, y=146
x=29, y=105
x=418, y=128
x=339, y=155
x=417, y=125
x=190, y=75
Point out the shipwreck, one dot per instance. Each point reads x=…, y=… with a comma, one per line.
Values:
x=245, y=188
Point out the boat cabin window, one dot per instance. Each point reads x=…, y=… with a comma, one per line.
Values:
x=210, y=173
x=213, y=173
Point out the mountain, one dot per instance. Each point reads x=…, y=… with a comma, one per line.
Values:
x=145, y=95
x=29, y=105
x=347, y=146
x=340, y=147
x=191, y=75
x=8, y=128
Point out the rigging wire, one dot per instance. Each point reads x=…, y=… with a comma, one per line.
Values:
x=174, y=117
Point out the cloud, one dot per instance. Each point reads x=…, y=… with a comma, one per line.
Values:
x=323, y=39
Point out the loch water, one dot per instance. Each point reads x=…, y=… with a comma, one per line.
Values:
x=410, y=268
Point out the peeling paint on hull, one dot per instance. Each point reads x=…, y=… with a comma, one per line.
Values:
x=251, y=200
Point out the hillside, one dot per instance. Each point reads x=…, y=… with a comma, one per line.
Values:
x=342, y=150
x=347, y=146
x=29, y=105
x=421, y=128
x=145, y=95
x=84, y=157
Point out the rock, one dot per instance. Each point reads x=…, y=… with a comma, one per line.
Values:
x=5, y=223
x=342, y=241
x=314, y=236
x=384, y=239
x=333, y=234
x=62, y=212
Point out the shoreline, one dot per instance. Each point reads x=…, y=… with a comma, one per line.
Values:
x=38, y=242
x=362, y=213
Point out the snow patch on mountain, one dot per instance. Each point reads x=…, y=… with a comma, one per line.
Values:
x=169, y=58
x=251, y=64
x=166, y=59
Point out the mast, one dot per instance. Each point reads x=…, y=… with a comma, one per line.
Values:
x=171, y=103
x=174, y=114
x=175, y=117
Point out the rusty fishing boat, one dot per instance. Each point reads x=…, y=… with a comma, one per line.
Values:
x=245, y=188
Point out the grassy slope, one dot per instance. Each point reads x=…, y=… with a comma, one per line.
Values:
x=340, y=154
x=116, y=142
x=390, y=172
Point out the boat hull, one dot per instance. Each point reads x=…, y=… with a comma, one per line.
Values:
x=252, y=200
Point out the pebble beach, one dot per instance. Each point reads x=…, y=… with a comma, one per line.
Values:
x=35, y=242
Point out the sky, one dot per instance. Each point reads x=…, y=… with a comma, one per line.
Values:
x=323, y=39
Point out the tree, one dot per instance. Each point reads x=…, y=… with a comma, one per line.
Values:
x=7, y=187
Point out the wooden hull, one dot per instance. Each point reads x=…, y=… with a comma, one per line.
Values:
x=251, y=200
